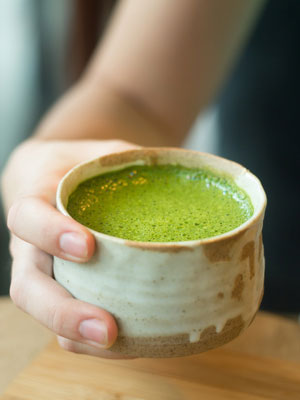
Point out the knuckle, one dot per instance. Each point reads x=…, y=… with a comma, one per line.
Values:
x=16, y=212
x=12, y=245
x=15, y=292
x=66, y=344
x=56, y=320
x=12, y=215
x=120, y=144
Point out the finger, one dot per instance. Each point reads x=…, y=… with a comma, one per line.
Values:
x=97, y=148
x=80, y=348
x=42, y=297
x=37, y=222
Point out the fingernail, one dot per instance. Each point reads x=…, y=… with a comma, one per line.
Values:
x=73, y=244
x=94, y=330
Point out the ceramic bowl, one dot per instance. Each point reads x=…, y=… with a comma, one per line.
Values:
x=177, y=298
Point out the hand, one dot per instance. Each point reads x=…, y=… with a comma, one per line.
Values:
x=39, y=231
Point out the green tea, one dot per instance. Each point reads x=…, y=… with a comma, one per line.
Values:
x=164, y=203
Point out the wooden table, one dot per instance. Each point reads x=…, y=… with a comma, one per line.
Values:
x=263, y=363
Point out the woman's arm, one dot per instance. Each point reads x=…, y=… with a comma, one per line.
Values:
x=159, y=64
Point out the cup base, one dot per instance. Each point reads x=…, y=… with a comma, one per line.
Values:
x=179, y=345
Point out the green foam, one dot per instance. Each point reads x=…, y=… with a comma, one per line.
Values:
x=160, y=204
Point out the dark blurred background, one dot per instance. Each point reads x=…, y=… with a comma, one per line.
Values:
x=44, y=46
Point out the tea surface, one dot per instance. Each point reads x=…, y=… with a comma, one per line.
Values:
x=160, y=204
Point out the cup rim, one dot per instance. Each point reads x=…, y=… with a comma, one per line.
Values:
x=161, y=246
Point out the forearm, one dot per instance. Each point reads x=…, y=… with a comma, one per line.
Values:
x=88, y=113
x=173, y=56
x=159, y=65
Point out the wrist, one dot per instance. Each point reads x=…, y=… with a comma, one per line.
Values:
x=97, y=111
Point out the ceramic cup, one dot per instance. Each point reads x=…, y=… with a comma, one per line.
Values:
x=177, y=298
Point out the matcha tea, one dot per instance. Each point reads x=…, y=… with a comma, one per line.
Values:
x=160, y=204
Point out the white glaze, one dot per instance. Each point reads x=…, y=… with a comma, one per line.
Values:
x=162, y=293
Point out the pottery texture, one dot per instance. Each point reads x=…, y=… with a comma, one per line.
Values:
x=171, y=299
